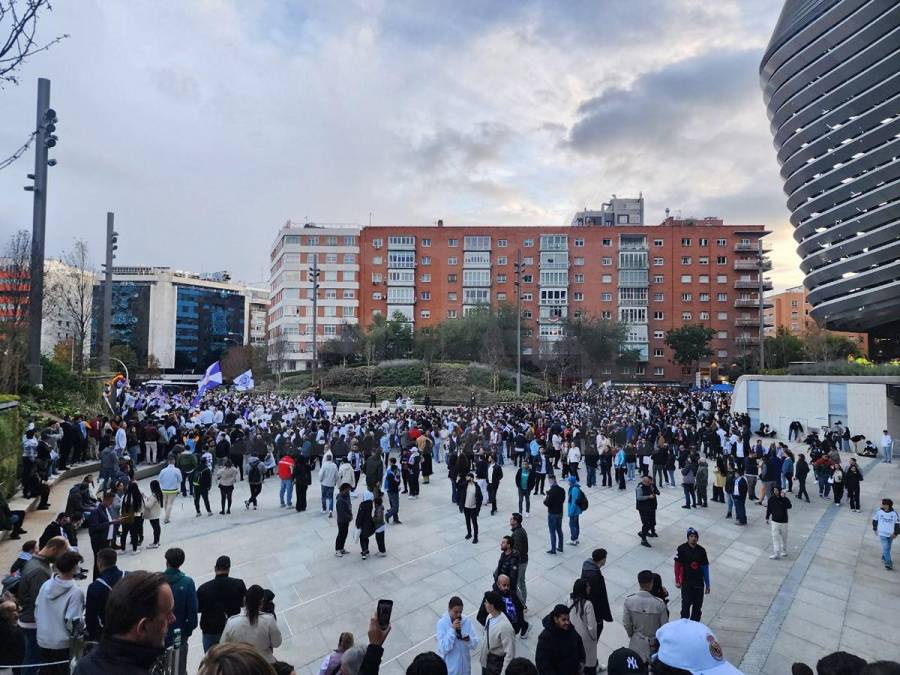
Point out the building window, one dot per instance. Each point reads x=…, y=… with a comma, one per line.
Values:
x=348, y=276
x=528, y=243
x=606, y=315
x=722, y=353
x=658, y=262
x=451, y=297
x=579, y=297
x=452, y=260
x=425, y=313
x=331, y=240
x=606, y=297
x=721, y=260
x=377, y=260
x=659, y=335
x=704, y=316
x=376, y=296
x=425, y=295
x=426, y=260
x=685, y=242
x=686, y=278
x=722, y=335
x=502, y=243
x=606, y=262
x=501, y=297
x=451, y=313
x=329, y=310
x=658, y=297
x=658, y=243
x=331, y=258
x=704, y=242
x=579, y=278
x=426, y=242
x=329, y=330
x=477, y=243
x=577, y=314
x=659, y=370
x=527, y=278
x=579, y=243
x=425, y=278
x=312, y=241
x=349, y=295
x=451, y=278
x=377, y=277
x=528, y=260
x=721, y=279
x=703, y=278
x=658, y=316
x=453, y=243
x=704, y=297
x=527, y=314
x=527, y=297
x=658, y=353
x=502, y=259
x=703, y=260
x=606, y=278
x=501, y=278
x=722, y=297
x=687, y=297
x=795, y=303
x=579, y=261
x=685, y=316
x=331, y=294
x=722, y=316
x=721, y=243
x=377, y=243
x=657, y=278
x=685, y=260
x=607, y=242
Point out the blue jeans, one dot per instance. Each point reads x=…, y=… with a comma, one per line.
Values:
x=630, y=466
x=286, y=494
x=453, y=496
x=210, y=640
x=574, y=528
x=888, y=453
x=591, y=475
x=740, y=510
x=327, y=497
x=730, y=499
x=394, y=511
x=886, y=551
x=32, y=650
x=554, y=522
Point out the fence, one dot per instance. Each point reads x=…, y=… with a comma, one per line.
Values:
x=166, y=664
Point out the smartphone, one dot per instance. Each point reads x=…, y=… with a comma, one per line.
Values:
x=385, y=607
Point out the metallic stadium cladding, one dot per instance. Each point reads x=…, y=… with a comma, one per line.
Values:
x=831, y=83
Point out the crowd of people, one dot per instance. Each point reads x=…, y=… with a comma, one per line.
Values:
x=363, y=461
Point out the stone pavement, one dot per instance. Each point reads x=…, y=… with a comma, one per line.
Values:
x=838, y=591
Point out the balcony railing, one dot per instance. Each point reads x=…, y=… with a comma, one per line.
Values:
x=740, y=302
x=751, y=247
x=751, y=265
x=752, y=284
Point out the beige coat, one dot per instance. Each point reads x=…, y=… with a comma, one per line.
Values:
x=644, y=614
x=265, y=635
x=498, y=631
x=586, y=628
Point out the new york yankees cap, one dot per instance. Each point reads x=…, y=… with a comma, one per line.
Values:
x=624, y=661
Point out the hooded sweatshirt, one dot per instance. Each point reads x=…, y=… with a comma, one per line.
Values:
x=559, y=652
x=58, y=612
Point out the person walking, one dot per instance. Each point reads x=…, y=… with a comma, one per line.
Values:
x=494, y=476
x=187, y=464
x=508, y=564
x=328, y=473
x=777, y=513
x=837, y=483
x=202, y=481
x=185, y=607
x=736, y=485
x=554, y=501
x=688, y=485
x=886, y=525
x=592, y=574
x=498, y=643
x=643, y=615
x=852, y=480
x=302, y=480
x=226, y=477
x=344, y=508
x=58, y=614
x=379, y=523
x=520, y=544
x=645, y=497
x=256, y=474
x=392, y=488
x=887, y=447
x=801, y=471
x=132, y=517
x=701, y=481
x=577, y=503
x=365, y=522
x=470, y=499
x=169, y=483
x=286, y=476
x=219, y=599
x=582, y=615
x=254, y=626
x=692, y=575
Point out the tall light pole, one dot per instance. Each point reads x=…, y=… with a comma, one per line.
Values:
x=111, y=238
x=44, y=139
x=762, y=320
x=518, y=324
x=314, y=279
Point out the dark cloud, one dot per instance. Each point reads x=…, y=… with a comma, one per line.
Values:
x=464, y=150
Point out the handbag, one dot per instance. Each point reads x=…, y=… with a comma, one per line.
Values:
x=494, y=662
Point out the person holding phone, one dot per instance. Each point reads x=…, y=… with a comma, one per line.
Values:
x=456, y=638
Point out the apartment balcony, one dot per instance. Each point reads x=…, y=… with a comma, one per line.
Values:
x=751, y=265
x=747, y=321
x=751, y=247
x=561, y=265
x=753, y=285
x=752, y=304
x=747, y=339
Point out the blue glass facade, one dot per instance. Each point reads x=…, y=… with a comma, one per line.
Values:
x=207, y=322
x=130, y=317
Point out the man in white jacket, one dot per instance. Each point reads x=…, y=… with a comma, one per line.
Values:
x=328, y=474
x=59, y=612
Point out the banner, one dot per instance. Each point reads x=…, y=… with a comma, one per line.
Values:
x=211, y=378
x=244, y=381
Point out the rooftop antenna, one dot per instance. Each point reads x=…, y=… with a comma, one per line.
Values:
x=370, y=219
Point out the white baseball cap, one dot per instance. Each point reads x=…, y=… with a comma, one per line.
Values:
x=692, y=646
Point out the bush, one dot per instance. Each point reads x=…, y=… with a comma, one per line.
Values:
x=858, y=367
x=10, y=432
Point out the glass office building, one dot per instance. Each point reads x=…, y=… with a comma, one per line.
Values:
x=207, y=322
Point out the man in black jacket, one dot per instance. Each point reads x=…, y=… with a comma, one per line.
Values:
x=590, y=571
x=494, y=476
x=101, y=526
x=559, y=649
x=512, y=607
x=520, y=544
x=777, y=514
x=509, y=561
x=554, y=501
x=470, y=500
x=645, y=499
x=98, y=592
x=218, y=599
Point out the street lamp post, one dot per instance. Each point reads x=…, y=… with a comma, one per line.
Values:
x=314, y=278
x=518, y=325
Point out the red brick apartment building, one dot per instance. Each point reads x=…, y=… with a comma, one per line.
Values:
x=606, y=264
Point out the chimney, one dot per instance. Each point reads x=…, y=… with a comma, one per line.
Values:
x=440, y=223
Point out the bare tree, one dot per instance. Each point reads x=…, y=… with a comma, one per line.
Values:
x=278, y=350
x=19, y=22
x=15, y=275
x=70, y=296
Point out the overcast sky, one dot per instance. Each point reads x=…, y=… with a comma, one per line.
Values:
x=206, y=124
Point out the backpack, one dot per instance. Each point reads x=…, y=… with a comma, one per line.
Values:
x=581, y=501
x=254, y=475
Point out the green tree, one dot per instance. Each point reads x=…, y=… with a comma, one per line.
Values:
x=783, y=348
x=126, y=355
x=346, y=348
x=595, y=342
x=690, y=343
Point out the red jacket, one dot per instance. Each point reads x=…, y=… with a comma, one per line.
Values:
x=286, y=467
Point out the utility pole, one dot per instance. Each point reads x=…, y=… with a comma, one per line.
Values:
x=760, y=266
x=314, y=278
x=44, y=139
x=111, y=238
x=518, y=324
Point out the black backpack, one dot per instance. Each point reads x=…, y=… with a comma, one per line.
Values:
x=581, y=500
x=254, y=475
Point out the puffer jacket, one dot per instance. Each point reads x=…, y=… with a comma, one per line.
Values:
x=559, y=652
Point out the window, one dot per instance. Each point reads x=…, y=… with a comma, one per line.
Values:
x=476, y=296
x=528, y=243
x=606, y=278
x=528, y=260
x=685, y=316
x=349, y=312
x=331, y=240
x=659, y=335
x=477, y=243
x=658, y=242
x=686, y=278
x=606, y=315
x=721, y=279
x=349, y=240
x=657, y=278
x=426, y=242
x=476, y=277
x=349, y=295
x=721, y=243
x=312, y=241
x=606, y=262
x=401, y=259
x=579, y=243
x=329, y=310
x=704, y=316
x=453, y=243
x=527, y=278
x=577, y=314
x=502, y=260
x=425, y=278
x=501, y=297
x=331, y=258
x=659, y=370
x=658, y=262
x=348, y=276
x=502, y=243
x=722, y=297
x=477, y=259
x=704, y=242
x=329, y=275
x=579, y=297
x=377, y=260
x=401, y=295
x=607, y=242
x=501, y=278
x=329, y=330
x=722, y=335
x=426, y=260
x=703, y=260
x=704, y=297
x=401, y=241
x=703, y=278
x=376, y=296
x=451, y=297
x=349, y=259
x=331, y=294
x=377, y=243
x=722, y=316
x=579, y=261
x=685, y=241
x=451, y=278
x=527, y=297
x=527, y=314
x=658, y=297
x=606, y=297
x=425, y=295
x=658, y=353
x=451, y=313
x=425, y=313
x=658, y=316
x=377, y=277
x=795, y=303
x=687, y=297
x=685, y=260
x=721, y=260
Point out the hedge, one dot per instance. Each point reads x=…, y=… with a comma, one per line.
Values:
x=10, y=434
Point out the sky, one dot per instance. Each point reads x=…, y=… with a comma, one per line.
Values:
x=206, y=125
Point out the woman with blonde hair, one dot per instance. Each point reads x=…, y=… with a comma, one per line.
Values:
x=332, y=663
x=234, y=658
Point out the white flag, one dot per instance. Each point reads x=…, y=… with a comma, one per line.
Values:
x=588, y=384
x=244, y=381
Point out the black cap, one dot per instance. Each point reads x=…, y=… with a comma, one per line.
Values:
x=223, y=562
x=624, y=661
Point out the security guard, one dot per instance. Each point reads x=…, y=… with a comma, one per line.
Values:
x=644, y=615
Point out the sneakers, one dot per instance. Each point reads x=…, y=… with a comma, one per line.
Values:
x=381, y=554
x=153, y=546
x=524, y=633
x=552, y=551
x=246, y=505
x=527, y=515
x=330, y=514
x=646, y=543
x=774, y=556
x=338, y=554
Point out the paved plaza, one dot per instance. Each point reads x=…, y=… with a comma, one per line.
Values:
x=830, y=593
